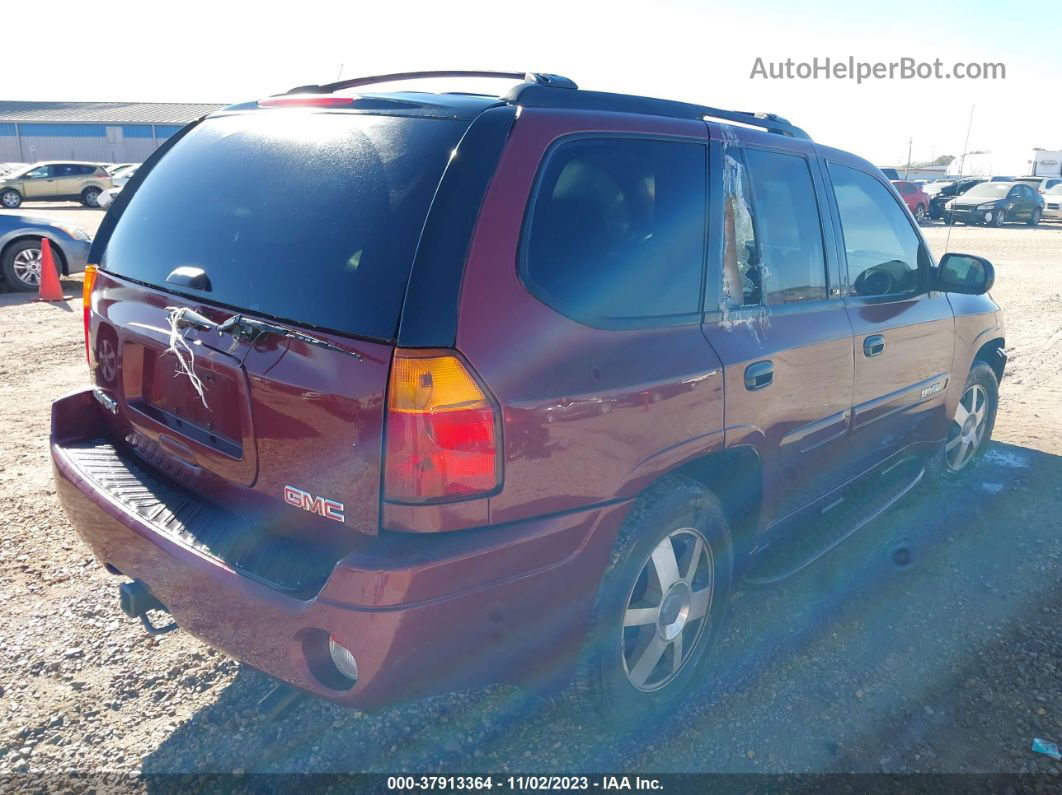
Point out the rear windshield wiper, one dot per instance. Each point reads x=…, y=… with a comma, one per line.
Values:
x=248, y=329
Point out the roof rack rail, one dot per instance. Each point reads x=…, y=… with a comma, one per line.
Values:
x=540, y=96
x=531, y=78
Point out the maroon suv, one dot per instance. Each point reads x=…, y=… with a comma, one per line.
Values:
x=504, y=388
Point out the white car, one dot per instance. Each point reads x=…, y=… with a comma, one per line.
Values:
x=1053, y=204
x=121, y=177
x=115, y=169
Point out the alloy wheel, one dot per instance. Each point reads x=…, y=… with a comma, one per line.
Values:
x=27, y=266
x=667, y=610
x=967, y=428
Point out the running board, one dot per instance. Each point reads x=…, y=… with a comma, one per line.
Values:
x=837, y=521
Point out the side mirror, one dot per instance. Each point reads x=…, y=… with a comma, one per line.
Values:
x=965, y=273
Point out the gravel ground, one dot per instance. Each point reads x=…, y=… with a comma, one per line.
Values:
x=948, y=664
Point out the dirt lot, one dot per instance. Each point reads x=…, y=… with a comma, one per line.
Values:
x=949, y=664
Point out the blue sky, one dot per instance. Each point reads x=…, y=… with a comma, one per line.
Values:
x=696, y=51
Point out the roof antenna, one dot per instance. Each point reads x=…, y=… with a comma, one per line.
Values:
x=962, y=162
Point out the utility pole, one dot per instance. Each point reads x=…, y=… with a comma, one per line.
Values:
x=907, y=173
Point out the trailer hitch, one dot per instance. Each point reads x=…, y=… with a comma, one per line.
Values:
x=136, y=600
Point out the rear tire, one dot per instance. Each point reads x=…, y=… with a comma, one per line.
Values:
x=10, y=199
x=1034, y=219
x=90, y=197
x=660, y=606
x=920, y=213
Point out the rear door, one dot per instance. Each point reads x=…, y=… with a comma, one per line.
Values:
x=904, y=332
x=68, y=178
x=781, y=329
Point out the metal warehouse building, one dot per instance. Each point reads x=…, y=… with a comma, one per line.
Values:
x=110, y=132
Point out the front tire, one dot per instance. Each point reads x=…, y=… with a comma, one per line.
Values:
x=90, y=197
x=971, y=427
x=11, y=199
x=21, y=265
x=660, y=606
x=999, y=218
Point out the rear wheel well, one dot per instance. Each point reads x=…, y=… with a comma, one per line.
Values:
x=989, y=353
x=56, y=250
x=735, y=477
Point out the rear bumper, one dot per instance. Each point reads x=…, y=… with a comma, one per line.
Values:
x=421, y=615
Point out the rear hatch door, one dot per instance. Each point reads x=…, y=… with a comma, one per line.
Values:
x=305, y=219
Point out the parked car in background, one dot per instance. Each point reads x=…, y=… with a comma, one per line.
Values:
x=116, y=168
x=123, y=176
x=55, y=181
x=1042, y=184
x=1053, y=204
x=940, y=193
x=1001, y=179
x=890, y=173
x=914, y=197
x=11, y=168
x=995, y=204
x=20, y=249
x=423, y=449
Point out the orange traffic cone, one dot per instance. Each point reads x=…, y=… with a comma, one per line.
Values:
x=50, y=290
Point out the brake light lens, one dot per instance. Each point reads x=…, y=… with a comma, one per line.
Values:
x=86, y=304
x=442, y=430
x=305, y=101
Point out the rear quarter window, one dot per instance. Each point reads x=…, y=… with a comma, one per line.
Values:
x=312, y=218
x=616, y=231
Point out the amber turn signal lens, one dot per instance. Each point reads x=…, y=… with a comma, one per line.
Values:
x=86, y=304
x=442, y=430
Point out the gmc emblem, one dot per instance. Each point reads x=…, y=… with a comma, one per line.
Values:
x=329, y=509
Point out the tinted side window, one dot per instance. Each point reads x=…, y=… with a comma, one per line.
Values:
x=787, y=221
x=617, y=229
x=882, y=248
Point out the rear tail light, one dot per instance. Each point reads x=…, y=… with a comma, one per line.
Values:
x=86, y=303
x=442, y=440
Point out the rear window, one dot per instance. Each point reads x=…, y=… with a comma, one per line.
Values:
x=312, y=218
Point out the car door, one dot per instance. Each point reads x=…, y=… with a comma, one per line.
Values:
x=1031, y=200
x=67, y=177
x=904, y=331
x=40, y=182
x=781, y=330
